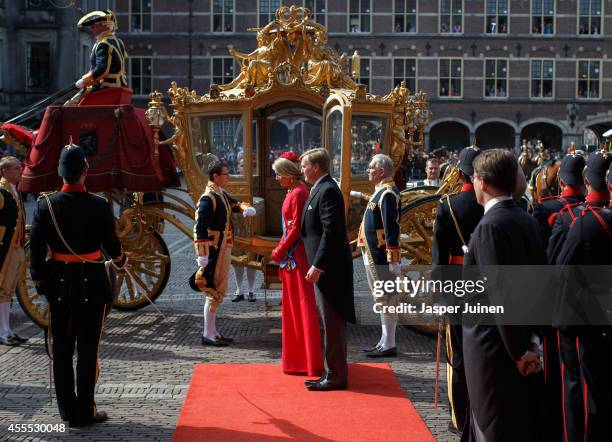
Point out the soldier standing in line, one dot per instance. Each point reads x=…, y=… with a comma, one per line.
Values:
x=213, y=240
x=12, y=240
x=597, y=196
x=75, y=282
x=456, y=218
x=379, y=241
x=571, y=184
x=583, y=249
x=546, y=211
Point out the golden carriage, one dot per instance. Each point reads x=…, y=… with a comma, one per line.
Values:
x=293, y=93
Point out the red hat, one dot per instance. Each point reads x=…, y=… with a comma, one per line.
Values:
x=291, y=156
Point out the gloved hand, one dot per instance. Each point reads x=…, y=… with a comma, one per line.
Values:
x=395, y=268
x=249, y=211
x=202, y=261
x=355, y=194
x=80, y=84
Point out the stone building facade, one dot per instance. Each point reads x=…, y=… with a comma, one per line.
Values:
x=500, y=70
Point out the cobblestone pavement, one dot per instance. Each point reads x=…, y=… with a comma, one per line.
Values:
x=147, y=360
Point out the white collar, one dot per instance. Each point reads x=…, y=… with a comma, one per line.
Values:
x=431, y=182
x=494, y=201
x=318, y=181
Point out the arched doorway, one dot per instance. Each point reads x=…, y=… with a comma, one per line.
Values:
x=495, y=134
x=450, y=134
x=549, y=134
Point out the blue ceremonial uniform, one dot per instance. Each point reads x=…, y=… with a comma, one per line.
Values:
x=108, y=58
x=213, y=238
x=380, y=230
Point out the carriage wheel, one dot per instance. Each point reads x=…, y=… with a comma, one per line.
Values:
x=34, y=305
x=149, y=264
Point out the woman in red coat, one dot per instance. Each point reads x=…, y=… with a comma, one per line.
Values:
x=302, y=352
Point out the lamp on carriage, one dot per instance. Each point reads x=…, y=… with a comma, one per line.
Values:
x=356, y=65
x=155, y=116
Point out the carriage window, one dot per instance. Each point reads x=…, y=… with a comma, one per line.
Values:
x=221, y=136
x=367, y=133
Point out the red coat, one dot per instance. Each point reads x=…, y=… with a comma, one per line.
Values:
x=302, y=353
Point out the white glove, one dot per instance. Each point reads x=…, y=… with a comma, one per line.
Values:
x=249, y=211
x=395, y=268
x=355, y=194
x=80, y=84
x=202, y=261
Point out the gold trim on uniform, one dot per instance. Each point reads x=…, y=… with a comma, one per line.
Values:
x=201, y=248
x=393, y=255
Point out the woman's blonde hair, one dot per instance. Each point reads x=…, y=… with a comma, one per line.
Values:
x=287, y=168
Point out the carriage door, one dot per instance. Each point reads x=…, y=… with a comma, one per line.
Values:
x=290, y=128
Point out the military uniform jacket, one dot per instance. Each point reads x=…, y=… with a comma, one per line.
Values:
x=588, y=243
x=380, y=231
x=108, y=58
x=546, y=208
x=562, y=223
x=446, y=240
x=12, y=224
x=87, y=224
x=213, y=225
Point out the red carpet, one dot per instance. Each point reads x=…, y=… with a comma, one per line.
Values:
x=257, y=402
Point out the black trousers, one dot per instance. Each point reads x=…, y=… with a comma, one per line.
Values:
x=334, y=341
x=553, y=391
x=457, y=385
x=573, y=400
x=595, y=363
x=77, y=325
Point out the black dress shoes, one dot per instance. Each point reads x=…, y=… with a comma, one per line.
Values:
x=379, y=353
x=238, y=298
x=224, y=339
x=15, y=337
x=251, y=297
x=100, y=417
x=10, y=342
x=370, y=349
x=213, y=342
x=325, y=386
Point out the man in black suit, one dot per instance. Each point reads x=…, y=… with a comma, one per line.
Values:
x=499, y=359
x=456, y=218
x=77, y=228
x=331, y=266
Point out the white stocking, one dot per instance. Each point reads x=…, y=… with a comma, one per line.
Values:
x=239, y=275
x=5, y=329
x=251, y=273
x=389, y=325
x=209, y=322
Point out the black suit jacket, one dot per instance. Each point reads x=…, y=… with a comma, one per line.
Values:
x=501, y=398
x=327, y=246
